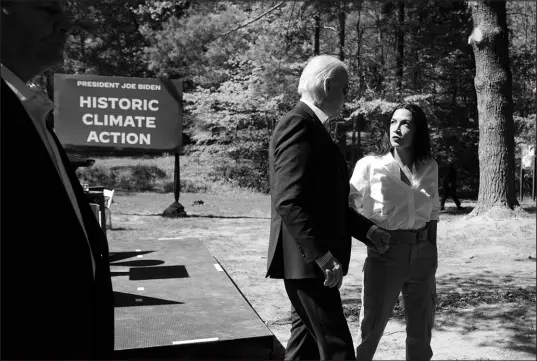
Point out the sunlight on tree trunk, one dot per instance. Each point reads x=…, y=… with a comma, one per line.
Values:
x=493, y=84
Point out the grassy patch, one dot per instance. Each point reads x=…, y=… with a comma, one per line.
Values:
x=199, y=173
x=152, y=174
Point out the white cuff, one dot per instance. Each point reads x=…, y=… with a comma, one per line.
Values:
x=321, y=261
x=370, y=231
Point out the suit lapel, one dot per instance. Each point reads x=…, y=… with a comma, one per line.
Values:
x=304, y=107
x=81, y=199
x=316, y=121
x=63, y=155
x=77, y=189
x=342, y=164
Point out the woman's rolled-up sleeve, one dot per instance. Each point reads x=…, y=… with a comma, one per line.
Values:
x=435, y=214
x=359, y=184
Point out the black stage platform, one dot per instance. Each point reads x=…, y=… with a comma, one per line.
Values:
x=174, y=300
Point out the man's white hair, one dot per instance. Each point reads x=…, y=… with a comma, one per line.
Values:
x=317, y=70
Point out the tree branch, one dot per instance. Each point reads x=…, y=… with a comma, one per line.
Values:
x=247, y=23
x=331, y=28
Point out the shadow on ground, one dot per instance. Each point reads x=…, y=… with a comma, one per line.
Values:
x=467, y=209
x=457, y=212
x=482, y=302
x=194, y=216
x=530, y=209
x=142, y=214
x=515, y=320
x=479, y=302
x=225, y=217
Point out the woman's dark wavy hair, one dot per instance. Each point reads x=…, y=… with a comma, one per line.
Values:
x=421, y=143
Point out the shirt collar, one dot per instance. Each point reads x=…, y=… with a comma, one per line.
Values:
x=318, y=112
x=33, y=99
x=388, y=158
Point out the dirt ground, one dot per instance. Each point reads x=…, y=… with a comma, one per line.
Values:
x=485, y=279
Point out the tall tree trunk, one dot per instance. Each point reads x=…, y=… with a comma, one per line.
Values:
x=535, y=109
x=493, y=84
x=400, y=48
x=316, y=50
x=416, y=59
x=523, y=108
x=379, y=67
x=454, y=92
x=358, y=57
x=415, y=78
x=342, y=15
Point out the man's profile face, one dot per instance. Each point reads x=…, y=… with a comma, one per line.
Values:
x=33, y=34
x=337, y=89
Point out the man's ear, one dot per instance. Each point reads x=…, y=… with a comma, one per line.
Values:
x=327, y=86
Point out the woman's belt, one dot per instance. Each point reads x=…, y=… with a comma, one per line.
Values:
x=410, y=236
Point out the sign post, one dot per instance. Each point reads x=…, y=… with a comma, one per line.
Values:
x=120, y=114
x=175, y=209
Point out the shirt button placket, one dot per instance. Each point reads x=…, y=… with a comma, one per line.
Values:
x=411, y=209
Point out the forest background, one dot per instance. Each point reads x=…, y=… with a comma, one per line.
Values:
x=240, y=62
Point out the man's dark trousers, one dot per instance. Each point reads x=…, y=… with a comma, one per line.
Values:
x=319, y=330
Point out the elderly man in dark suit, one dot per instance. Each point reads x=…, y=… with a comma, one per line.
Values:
x=312, y=223
x=57, y=300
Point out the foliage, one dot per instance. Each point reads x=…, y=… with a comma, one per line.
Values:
x=104, y=40
x=240, y=81
x=234, y=106
x=136, y=178
x=447, y=137
x=525, y=129
x=523, y=55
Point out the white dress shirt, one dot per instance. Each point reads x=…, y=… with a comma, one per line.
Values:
x=378, y=192
x=38, y=105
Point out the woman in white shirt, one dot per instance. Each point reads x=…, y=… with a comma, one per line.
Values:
x=398, y=191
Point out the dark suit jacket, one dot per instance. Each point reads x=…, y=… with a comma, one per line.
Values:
x=52, y=307
x=310, y=198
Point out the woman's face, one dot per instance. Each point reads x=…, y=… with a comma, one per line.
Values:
x=402, y=129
